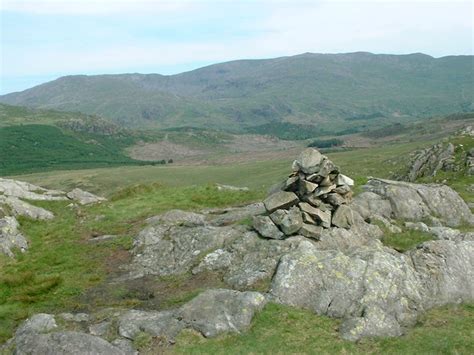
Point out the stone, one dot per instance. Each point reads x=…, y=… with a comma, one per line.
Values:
x=218, y=311
x=327, y=167
x=280, y=200
x=83, y=197
x=415, y=202
x=10, y=237
x=227, y=216
x=428, y=162
x=307, y=218
x=291, y=183
x=342, y=180
x=307, y=187
x=64, y=343
x=289, y=221
x=335, y=199
x=266, y=228
x=25, y=190
x=160, y=324
x=322, y=190
x=311, y=231
x=222, y=187
x=322, y=217
x=37, y=324
x=78, y=317
x=418, y=226
x=308, y=161
x=446, y=233
x=171, y=250
x=24, y=209
x=99, y=329
x=342, y=189
x=179, y=217
x=343, y=217
x=368, y=204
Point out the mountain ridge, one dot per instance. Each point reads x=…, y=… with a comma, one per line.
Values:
x=309, y=88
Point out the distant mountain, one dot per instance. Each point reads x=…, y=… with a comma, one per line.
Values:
x=332, y=91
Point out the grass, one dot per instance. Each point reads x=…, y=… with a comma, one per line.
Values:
x=281, y=329
x=60, y=264
x=406, y=240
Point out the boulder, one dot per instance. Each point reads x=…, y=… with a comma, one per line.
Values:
x=214, y=312
x=83, y=197
x=343, y=217
x=157, y=324
x=178, y=217
x=24, y=209
x=170, y=250
x=280, y=200
x=10, y=236
x=267, y=229
x=311, y=231
x=415, y=202
x=308, y=161
x=289, y=221
x=64, y=343
x=25, y=190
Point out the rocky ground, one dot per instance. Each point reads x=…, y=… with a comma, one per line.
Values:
x=310, y=244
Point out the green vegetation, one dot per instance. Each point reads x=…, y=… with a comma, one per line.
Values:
x=332, y=91
x=285, y=330
x=326, y=143
x=288, y=131
x=34, y=147
x=406, y=240
x=61, y=264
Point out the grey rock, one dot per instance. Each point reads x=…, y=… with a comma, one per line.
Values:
x=222, y=217
x=22, y=208
x=418, y=226
x=83, y=197
x=343, y=180
x=178, y=217
x=392, y=228
x=99, y=329
x=308, y=161
x=280, y=200
x=64, y=343
x=429, y=162
x=289, y=221
x=266, y=228
x=322, y=190
x=214, y=312
x=446, y=233
x=248, y=260
x=311, y=231
x=322, y=217
x=125, y=345
x=368, y=204
x=343, y=217
x=415, y=202
x=291, y=184
x=327, y=167
x=335, y=199
x=78, y=317
x=171, y=250
x=20, y=189
x=221, y=187
x=37, y=324
x=10, y=236
x=162, y=324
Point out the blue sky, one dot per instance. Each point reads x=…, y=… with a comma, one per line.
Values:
x=44, y=39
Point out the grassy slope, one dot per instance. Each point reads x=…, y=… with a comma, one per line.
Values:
x=334, y=91
x=61, y=265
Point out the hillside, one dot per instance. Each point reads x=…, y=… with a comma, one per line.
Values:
x=336, y=92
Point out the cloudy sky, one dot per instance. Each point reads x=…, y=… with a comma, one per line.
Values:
x=43, y=39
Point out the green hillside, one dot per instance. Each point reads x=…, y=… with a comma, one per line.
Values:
x=336, y=92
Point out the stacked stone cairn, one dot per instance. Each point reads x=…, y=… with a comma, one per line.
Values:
x=314, y=197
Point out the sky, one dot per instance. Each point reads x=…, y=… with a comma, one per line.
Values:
x=41, y=40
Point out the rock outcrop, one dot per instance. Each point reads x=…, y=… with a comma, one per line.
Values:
x=12, y=205
x=413, y=202
x=313, y=198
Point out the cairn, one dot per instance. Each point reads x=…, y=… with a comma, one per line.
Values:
x=314, y=197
